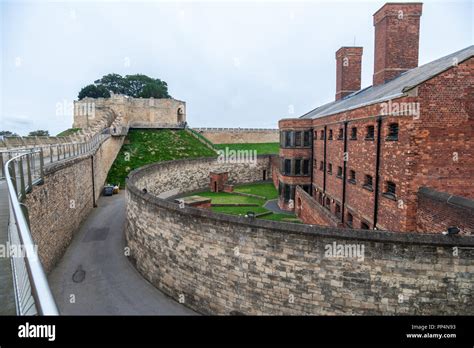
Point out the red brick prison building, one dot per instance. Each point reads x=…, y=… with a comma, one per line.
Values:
x=398, y=155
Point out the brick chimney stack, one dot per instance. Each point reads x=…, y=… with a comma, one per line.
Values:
x=397, y=31
x=348, y=70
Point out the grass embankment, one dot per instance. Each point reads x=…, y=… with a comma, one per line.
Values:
x=69, y=131
x=261, y=148
x=142, y=147
x=266, y=190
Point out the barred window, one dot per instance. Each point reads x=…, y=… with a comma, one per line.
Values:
x=393, y=131
x=321, y=135
x=341, y=134
x=339, y=172
x=368, y=182
x=330, y=134
x=354, y=133
x=352, y=177
x=350, y=219
x=370, y=133
x=330, y=168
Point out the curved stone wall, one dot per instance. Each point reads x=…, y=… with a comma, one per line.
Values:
x=222, y=264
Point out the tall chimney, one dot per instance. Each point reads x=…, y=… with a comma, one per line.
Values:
x=348, y=70
x=397, y=31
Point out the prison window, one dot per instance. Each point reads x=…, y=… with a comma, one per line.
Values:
x=390, y=190
x=321, y=165
x=352, y=177
x=368, y=182
x=305, y=167
x=328, y=203
x=392, y=131
x=321, y=135
x=338, y=210
x=307, y=138
x=330, y=134
x=341, y=134
x=297, y=138
x=287, y=139
x=287, y=167
x=298, y=167
x=339, y=172
x=330, y=168
x=354, y=133
x=370, y=133
x=350, y=219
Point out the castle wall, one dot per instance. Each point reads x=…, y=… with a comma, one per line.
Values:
x=239, y=135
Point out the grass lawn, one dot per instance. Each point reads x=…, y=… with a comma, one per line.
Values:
x=143, y=147
x=262, y=148
x=266, y=190
x=261, y=189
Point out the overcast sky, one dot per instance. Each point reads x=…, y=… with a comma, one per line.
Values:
x=236, y=64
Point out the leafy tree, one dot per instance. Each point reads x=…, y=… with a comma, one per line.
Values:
x=94, y=91
x=39, y=133
x=114, y=83
x=8, y=134
x=136, y=86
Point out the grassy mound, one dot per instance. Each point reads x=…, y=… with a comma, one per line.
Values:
x=69, y=131
x=143, y=147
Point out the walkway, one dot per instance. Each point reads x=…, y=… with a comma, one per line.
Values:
x=272, y=205
x=7, y=299
x=96, y=274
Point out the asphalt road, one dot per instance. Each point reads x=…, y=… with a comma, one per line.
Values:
x=95, y=278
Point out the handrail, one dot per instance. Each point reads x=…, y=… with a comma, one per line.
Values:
x=37, y=287
x=23, y=170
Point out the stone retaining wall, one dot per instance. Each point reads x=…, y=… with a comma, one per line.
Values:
x=57, y=208
x=222, y=264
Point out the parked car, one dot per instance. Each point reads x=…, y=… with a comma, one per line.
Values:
x=108, y=190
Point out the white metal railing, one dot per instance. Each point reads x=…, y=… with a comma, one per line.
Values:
x=23, y=170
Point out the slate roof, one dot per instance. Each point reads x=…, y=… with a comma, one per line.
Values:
x=391, y=89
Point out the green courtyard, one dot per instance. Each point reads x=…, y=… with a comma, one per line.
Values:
x=266, y=191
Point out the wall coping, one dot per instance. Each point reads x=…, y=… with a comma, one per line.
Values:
x=286, y=227
x=443, y=197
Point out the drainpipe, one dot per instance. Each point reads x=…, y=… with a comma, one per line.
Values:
x=93, y=183
x=324, y=161
x=377, y=169
x=344, y=170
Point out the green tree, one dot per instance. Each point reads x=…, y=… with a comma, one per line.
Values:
x=114, y=83
x=136, y=86
x=94, y=91
x=8, y=134
x=39, y=133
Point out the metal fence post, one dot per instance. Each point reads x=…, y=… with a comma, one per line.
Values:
x=28, y=171
x=57, y=148
x=41, y=165
x=22, y=179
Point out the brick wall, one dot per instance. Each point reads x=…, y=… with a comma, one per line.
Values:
x=220, y=264
x=57, y=208
x=438, y=210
